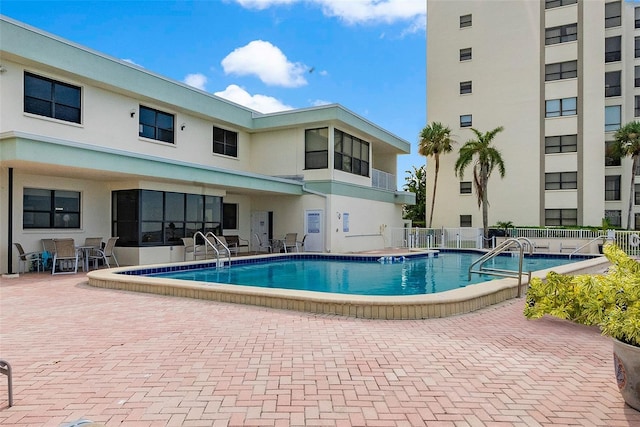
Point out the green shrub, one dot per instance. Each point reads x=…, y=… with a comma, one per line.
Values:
x=610, y=301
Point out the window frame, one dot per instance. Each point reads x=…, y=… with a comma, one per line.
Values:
x=615, y=18
x=466, y=187
x=345, y=159
x=636, y=42
x=550, y=4
x=636, y=106
x=612, y=194
x=160, y=132
x=59, y=106
x=227, y=145
x=466, y=220
x=636, y=196
x=610, y=87
x=563, y=109
x=609, y=159
x=561, y=181
x=466, y=87
x=613, y=54
x=566, y=144
x=323, y=155
x=466, y=21
x=464, y=123
x=612, y=126
x=614, y=216
x=564, y=217
x=466, y=54
x=567, y=70
x=230, y=216
x=636, y=74
x=566, y=33
x=55, y=212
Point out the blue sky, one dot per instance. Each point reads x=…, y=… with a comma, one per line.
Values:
x=270, y=55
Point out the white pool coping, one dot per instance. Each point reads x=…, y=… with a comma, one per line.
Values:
x=442, y=304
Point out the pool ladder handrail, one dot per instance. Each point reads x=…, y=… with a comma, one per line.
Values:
x=521, y=243
x=209, y=244
x=603, y=236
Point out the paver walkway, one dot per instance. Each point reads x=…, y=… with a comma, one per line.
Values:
x=127, y=359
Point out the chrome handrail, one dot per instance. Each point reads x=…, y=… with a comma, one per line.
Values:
x=215, y=248
x=521, y=242
x=604, y=236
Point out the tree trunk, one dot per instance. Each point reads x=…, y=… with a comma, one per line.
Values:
x=435, y=185
x=631, y=190
x=485, y=208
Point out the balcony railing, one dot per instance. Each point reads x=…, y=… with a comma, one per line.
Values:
x=384, y=180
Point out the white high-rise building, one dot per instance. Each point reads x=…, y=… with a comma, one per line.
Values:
x=561, y=76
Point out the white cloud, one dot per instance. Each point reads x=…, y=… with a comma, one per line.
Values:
x=360, y=11
x=130, y=61
x=197, y=80
x=261, y=103
x=320, y=102
x=267, y=62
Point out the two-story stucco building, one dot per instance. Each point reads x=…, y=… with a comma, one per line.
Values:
x=94, y=146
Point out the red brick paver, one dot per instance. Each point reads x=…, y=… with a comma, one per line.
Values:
x=127, y=359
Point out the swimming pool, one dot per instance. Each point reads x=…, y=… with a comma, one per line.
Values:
x=440, y=304
x=389, y=275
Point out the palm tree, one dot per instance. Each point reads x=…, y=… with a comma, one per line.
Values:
x=486, y=159
x=627, y=140
x=435, y=139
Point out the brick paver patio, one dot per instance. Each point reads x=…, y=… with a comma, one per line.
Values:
x=127, y=359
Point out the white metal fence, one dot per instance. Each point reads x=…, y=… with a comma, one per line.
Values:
x=549, y=239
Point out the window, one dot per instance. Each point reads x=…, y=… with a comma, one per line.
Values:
x=562, y=34
x=561, y=181
x=637, y=16
x=612, y=118
x=612, y=83
x=637, y=75
x=637, y=47
x=156, y=125
x=351, y=154
x=465, y=21
x=548, y=4
x=465, y=121
x=156, y=218
x=465, y=87
x=43, y=208
x=610, y=157
x=465, y=54
x=637, y=216
x=636, y=110
x=50, y=98
x=636, y=198
x=225, y=142
x=612, y=14
x=614, y=217
x=561, y=107
x=465, y=220
x=612, y=187
x=612, y=48
x=561, y=70
x=316, y=148
x=229, y=216
x=465, y=187
x=561, y=144
x=560, y=217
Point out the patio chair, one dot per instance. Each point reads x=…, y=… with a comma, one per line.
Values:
x=262, y=245
x=233, y=247
x=301, y=243
x=105, y=254
x=49, y=248
x=65, y=257
x=191, y=248
x=26, y=258
x=290, y=241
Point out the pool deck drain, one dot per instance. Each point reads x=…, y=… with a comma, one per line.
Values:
x=131, y=359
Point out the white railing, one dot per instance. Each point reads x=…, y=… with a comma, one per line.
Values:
x=545, y=239
x=384, y=180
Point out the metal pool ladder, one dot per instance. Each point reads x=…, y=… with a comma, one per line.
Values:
x=520, y=242
x=209, y=244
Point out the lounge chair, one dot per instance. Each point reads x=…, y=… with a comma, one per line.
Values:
x=233, y=248
x=65, y=257
x=191, y=248
x=26, y=258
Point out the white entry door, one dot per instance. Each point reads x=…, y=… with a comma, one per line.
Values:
x=259, y=226
x=314, y=231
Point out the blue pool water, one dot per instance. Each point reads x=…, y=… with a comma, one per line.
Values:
x=410, y=276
